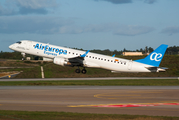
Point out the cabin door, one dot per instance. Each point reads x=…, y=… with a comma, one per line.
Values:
x=130, y=65
x=28, y=43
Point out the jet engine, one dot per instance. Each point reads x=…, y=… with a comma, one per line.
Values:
x=61, y=61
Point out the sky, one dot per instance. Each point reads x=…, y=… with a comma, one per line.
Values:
x=90, y=24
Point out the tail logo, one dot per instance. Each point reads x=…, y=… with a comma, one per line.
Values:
x=156, y=56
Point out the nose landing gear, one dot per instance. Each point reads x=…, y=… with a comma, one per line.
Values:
x=23, y=56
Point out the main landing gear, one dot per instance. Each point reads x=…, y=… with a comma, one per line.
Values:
x=82, y=71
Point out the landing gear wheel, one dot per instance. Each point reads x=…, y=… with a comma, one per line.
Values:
x=83, y=71
x=77, y=70
x=23, y=56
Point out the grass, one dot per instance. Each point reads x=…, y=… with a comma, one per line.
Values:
x=156, y=82
x=24, y=115
x=55, y=71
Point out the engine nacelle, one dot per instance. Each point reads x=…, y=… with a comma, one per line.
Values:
x=61, y=61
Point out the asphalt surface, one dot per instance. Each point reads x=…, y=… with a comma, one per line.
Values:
x=99, y=78
x=136, y=100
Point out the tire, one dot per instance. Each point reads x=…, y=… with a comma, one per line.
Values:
x=83, y=71
x=77, y=70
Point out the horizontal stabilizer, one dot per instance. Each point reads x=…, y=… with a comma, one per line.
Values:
x=157, y=69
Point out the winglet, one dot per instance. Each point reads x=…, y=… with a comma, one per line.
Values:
x=84, y=55
x=113, y=55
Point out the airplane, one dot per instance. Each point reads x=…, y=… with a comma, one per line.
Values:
x=71, y=57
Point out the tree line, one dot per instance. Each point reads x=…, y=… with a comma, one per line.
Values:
x=174, y=50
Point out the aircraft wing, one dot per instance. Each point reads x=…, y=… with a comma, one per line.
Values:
x=78, y=60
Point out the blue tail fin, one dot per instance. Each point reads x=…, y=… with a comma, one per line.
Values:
x=155, y=57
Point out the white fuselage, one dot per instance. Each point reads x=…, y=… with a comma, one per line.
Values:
x=90, y=60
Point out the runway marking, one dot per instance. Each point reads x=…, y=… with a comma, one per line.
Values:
x=114, y=96
x=128, y=94
x=176, y=101
x=126, y=105
x=144, y=92
x=137, y=105
x=151, y=108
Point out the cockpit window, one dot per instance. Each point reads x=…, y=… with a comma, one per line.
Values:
x=19, y=42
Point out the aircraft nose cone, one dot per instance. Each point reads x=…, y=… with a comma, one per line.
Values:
x=11, y=46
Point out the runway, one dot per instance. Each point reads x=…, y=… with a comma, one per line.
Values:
x=98, y=78
x=135, y=100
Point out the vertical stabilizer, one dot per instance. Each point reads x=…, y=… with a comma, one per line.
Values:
x=155, y=57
